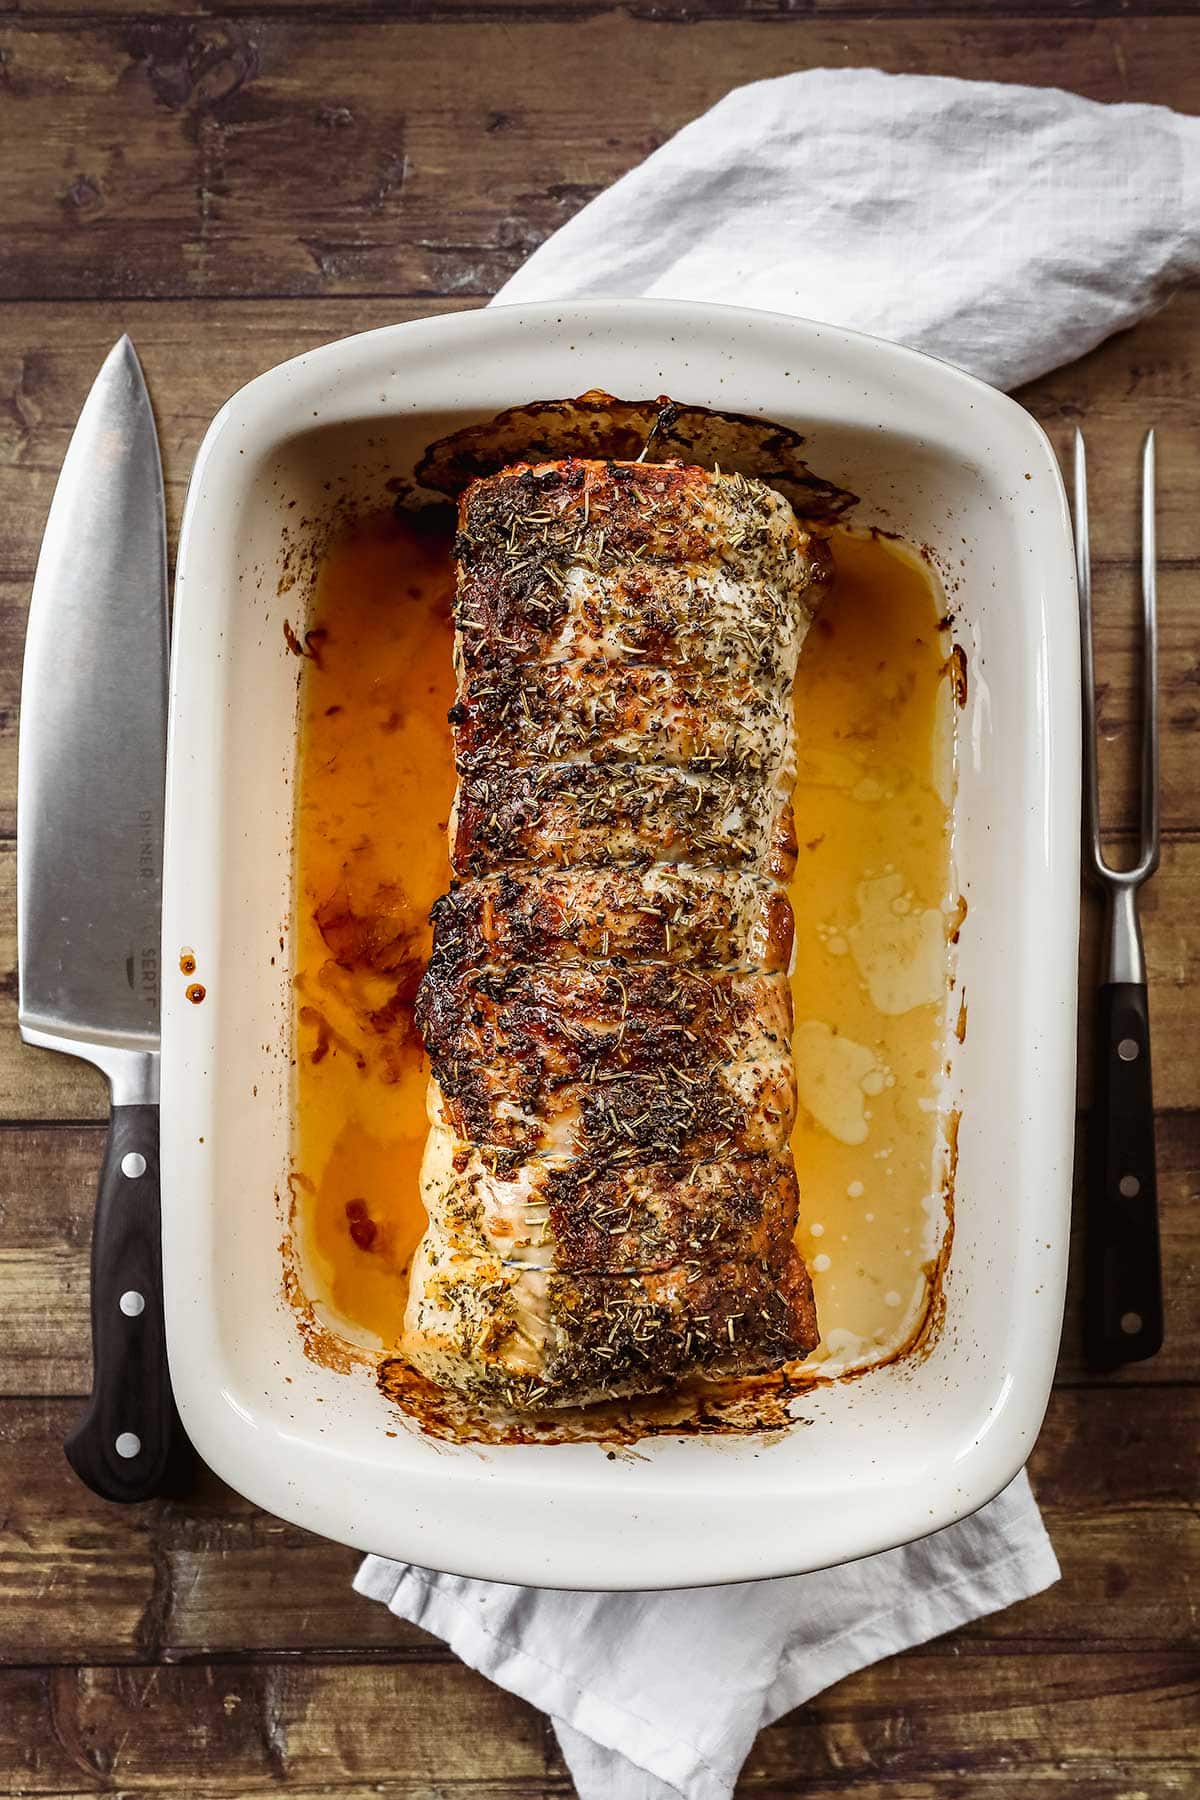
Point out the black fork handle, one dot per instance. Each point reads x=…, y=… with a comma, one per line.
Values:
x=1123, y=1304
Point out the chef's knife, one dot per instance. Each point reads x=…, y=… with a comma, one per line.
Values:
x=89, y=885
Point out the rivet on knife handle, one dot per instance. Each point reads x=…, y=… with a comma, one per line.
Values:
x=126, y=1446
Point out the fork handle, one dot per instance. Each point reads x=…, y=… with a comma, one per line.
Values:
x=1123, y=1313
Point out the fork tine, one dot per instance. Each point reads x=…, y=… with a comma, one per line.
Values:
x=1083, y=573
x=1150, y=796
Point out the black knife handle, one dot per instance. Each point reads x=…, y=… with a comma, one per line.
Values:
x=128, y=1445
x=1123, y=1308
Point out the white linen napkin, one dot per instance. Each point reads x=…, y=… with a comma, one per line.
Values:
x=1008, y=229
x=659, y=1695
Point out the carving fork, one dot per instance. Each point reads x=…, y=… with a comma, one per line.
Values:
x=1123, y=1311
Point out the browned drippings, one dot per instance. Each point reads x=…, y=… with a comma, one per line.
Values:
x=956, y=669
x=375, y=786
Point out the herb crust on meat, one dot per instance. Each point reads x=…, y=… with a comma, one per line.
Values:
x=608, y=1179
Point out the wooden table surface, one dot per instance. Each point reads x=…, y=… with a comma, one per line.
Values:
x=232, y=187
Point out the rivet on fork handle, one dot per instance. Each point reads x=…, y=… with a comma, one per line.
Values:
x=1123, y=1309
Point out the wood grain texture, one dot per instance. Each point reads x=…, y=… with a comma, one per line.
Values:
x=194, y=353
x=342, y=166
x=670, y=12
x=174, y=156
x=261, y=1728
x=1154, y=1779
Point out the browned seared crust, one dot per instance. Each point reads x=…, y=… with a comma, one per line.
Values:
x=574, y=1019
x=537, y=1336
x=608, y=711
x=666, y=913
x=653, y=1062
x=616, y=1219
x=632, y=563
x=587, y=815
x=608, y=1180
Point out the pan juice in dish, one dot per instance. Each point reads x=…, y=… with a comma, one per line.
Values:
x=870, y=967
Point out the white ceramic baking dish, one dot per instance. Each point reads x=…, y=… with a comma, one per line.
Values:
x=881, y=1459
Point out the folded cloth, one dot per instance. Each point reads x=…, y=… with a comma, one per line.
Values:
x=659, y=1695
x=1007, y=229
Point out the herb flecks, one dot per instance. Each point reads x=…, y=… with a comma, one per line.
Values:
x=606, y=1009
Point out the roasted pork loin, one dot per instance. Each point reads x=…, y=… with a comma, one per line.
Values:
x=608, y=1177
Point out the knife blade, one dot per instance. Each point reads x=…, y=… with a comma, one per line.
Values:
x=90, y=796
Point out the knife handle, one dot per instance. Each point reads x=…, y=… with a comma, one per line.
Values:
x=1123, y=1303
x=129, y=1444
